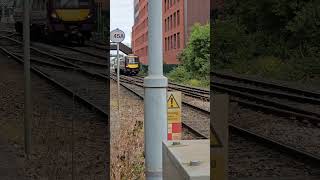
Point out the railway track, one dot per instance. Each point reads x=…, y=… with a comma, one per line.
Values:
x=89, y=50
x=51, y=69
x=251, y=96
x=197, y=133
x=60, y=68
x=237, y=129
x=238, y=132
x=203, y=93
x=66, y=74
x=81, y=72
x=289, y=102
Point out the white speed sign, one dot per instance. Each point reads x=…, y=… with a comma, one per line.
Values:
x=117, y=36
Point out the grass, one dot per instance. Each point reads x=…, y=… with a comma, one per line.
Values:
x=181, y=76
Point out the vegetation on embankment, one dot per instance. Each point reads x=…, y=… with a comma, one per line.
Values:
x=195, y=59
x=276, y=39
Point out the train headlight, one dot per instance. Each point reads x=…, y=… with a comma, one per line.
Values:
x=89, y=16
x=54, y=15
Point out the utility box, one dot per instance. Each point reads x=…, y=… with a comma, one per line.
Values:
x=186, y=160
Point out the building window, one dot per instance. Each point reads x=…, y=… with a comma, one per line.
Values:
x=170, y=42
x=174, y=41
x=174, y=19
x=178, y=39
x=168, y=26
x=178, y=17
x=165, y=5
x=165, y=44
x=171, y=21
x=165, y=25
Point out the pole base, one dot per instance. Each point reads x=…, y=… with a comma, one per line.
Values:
x=158, y=81
x=154, y=175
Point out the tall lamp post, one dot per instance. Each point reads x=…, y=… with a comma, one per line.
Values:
x=27, y=97
x=155, y=92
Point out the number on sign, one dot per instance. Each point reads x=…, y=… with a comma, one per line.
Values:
x=119, y=36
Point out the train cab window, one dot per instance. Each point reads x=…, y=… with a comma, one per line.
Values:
x=71, y=3
x=133, y=60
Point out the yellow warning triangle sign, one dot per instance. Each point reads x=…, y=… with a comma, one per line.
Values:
x=215, y=141
x=172, y=103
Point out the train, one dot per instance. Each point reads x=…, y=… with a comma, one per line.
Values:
x=129, y=65
x=68, y=20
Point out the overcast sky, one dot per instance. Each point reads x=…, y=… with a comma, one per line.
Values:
x=121, y=16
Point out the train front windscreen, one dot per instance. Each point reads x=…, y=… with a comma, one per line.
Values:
x=133, y=60
x=71, y=4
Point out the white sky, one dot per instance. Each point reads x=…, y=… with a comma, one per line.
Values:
x=121, y=16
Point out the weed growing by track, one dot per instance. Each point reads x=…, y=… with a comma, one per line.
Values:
x=127, y=140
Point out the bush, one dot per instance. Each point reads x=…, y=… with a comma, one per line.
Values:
x=195, y=58
x=179, y=74
x=272, y=38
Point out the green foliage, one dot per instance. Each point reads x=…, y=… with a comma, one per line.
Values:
x=194, y=69
x=143, y=70
x=179, y=74
x=230, y=43
x=273, y=38
x=195, y=57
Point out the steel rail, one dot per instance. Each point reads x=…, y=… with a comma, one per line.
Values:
x=280, y=146
x=270, y=142
x=267, y=84
x=294, y=97
x=81, y=69
x=313, y=117
x=65, y=89
x=85, y=52
x=183, y=102
x=195, y=132
x=188, y=92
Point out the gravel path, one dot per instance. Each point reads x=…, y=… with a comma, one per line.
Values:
x=11, y=151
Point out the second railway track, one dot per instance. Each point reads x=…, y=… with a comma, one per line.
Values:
x=79, y=71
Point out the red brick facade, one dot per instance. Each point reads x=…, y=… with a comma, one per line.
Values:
x=178, y=16
x=173, y=30
x=139, y=42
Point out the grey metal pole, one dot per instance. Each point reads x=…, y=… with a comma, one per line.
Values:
x=155, y=91
x=27, y=100
x=2, y=14
x=118, y=78
x=98, y=19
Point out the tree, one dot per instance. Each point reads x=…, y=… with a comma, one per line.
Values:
x=196, y=56
x=256, y=34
